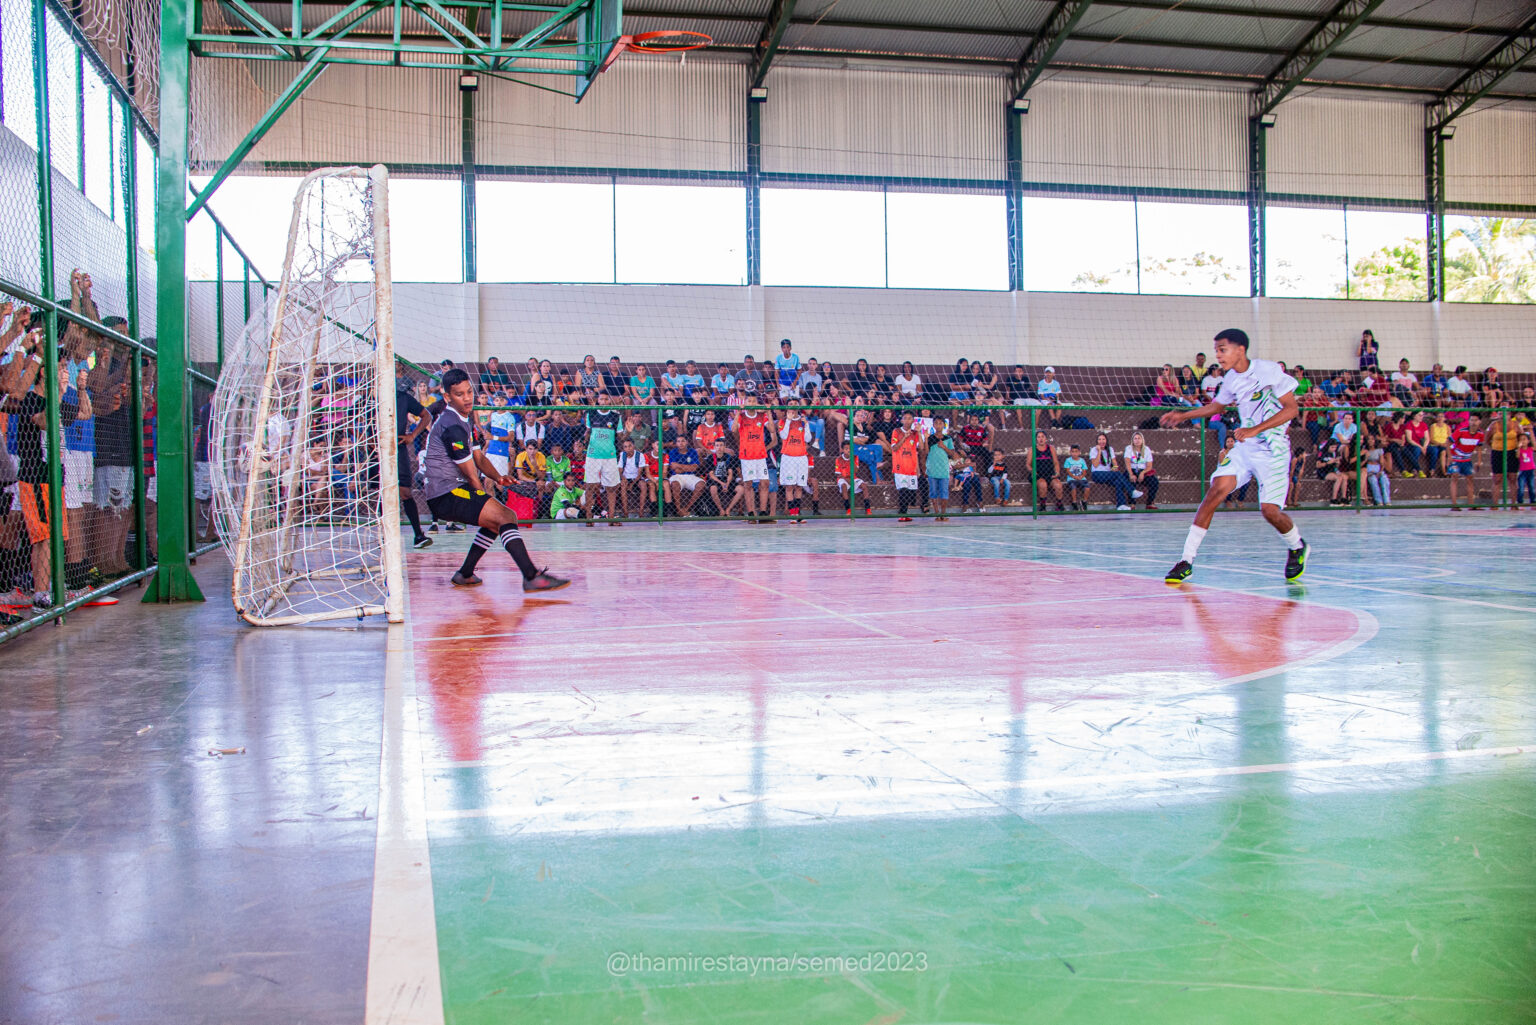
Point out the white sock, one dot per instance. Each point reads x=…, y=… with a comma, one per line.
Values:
x=1292, y=539
x=1192, y=543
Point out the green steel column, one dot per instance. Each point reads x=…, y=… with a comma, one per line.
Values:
x=1360, y=460
x=218, y=298
x=50, y=369
x=1257, y=187
x=467, y=177
x=1015, y=197
x=173, y=581
x=755, y=192
x=1034, y=484
x=1434, y=212
x=131, y=222
x=1508, y=453
x=661, y=472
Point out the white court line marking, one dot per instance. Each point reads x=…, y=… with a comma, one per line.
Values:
x=1234, y=569
x=404, y=981
x=816, y=619
x=927, y=788
x=794, y=598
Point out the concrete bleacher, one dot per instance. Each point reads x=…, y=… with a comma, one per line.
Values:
x=1181, y=468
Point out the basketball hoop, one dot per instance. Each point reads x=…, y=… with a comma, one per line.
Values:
x=667, y=40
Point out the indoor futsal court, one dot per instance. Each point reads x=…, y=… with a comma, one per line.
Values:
x=709, y=512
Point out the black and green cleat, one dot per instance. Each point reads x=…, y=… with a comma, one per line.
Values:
x=1296, y=563
x=1179, y=573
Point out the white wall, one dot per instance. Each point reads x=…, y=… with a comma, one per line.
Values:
x=657, y=322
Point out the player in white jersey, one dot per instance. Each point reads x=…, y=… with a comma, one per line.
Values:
x=1265, y=396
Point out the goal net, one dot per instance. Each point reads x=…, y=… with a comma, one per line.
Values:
x=302, y=435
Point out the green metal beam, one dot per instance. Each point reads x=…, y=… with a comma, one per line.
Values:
x=263, y=125
x=1477, y=83
x=1064, y=18
x=774, y=27
x=50, y=368
x=172, y=580
x=1309, y=53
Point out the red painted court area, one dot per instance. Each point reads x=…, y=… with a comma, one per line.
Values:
x=703, y=623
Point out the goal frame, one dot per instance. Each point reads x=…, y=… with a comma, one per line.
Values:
x=392, y=569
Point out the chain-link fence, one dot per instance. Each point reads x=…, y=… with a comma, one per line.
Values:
x=79, y=509
x=575, y=457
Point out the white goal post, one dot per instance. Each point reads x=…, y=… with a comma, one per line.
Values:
x=302, y=433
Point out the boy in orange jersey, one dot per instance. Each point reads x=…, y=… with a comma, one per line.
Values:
x=794, y=465
x=908, y=449
x=752, y=427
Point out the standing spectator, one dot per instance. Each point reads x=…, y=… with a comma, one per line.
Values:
x=1047, y=471
x=752, y=427
x=750, y=375
x=941, y=451
x=1139, y=468
x=78, y=451
x=632, y=480
x=112, y=473
x=1049, y=389
x=787, y=366
x=1367, y=350
x=1525, y=472
x=1466, y=447
x=794, y=464
x=602, y=466
x=1101, y=464
x=909, y=383
x=1075, y=467
x=722, y=384
x=1503, y=433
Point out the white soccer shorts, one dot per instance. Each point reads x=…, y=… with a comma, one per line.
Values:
x=754, y=469
x=602, y=471
x=794, y=471
x=1270, y=466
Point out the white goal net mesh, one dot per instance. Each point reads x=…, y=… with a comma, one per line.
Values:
x=302, y=435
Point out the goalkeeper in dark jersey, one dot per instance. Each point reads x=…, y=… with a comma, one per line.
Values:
x=454, y=462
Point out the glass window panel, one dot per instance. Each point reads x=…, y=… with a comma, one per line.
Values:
x=823, y=237
x=63, y=88
x=1193, y=248
x=18, y=109
x=1079, y=245
x=946, y=240
x=99, y=161
x=1305, y=249
x=1386, y=255
x=1490, y=259
x=681, y=234
x=426, y=229
x=544, y=231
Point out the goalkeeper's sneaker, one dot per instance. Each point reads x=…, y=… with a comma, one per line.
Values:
x=1296, y=563
x=544, y=582
x=1179, y=573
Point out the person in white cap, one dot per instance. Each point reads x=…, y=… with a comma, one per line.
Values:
x=1049, y=389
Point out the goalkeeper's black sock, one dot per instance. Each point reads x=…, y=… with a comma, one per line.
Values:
x=512, y=541
x=482, y=542
x=409, y=505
